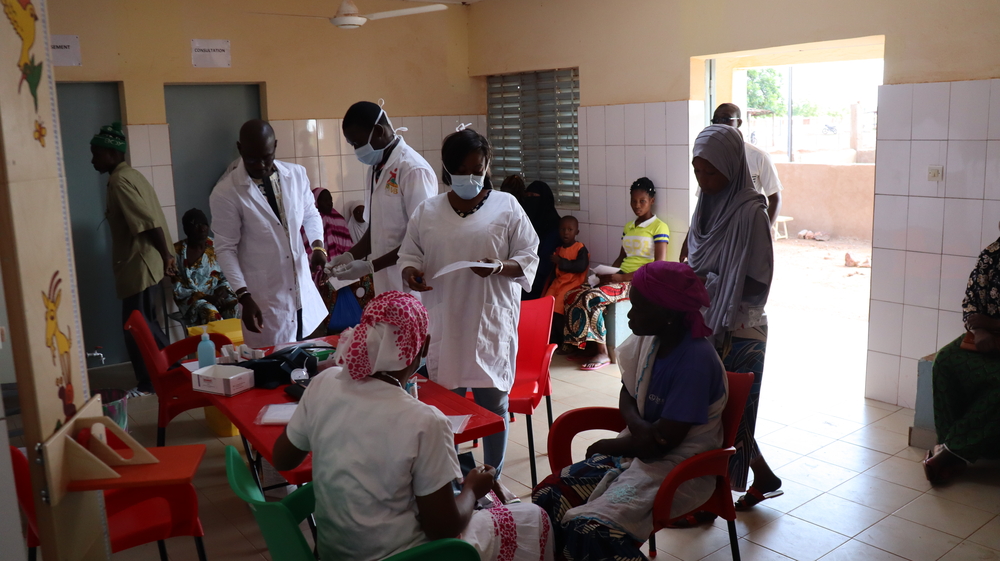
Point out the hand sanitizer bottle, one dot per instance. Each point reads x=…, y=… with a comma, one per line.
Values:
x=206, y=351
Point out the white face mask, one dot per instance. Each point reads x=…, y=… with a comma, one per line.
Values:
x=366, y=154
x=467, y=186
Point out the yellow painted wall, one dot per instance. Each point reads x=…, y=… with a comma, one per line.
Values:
x=631, y=51
x=310, y=68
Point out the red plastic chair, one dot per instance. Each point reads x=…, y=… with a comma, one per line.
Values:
x=713, y=462
x=135, y=516
x=531, y=373
x=173, y=385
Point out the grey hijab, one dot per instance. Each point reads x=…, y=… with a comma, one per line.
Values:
x=726, y=242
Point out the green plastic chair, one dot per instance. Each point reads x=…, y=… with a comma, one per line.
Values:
x=279, y=521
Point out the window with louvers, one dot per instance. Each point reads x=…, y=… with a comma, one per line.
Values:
x=532, y=125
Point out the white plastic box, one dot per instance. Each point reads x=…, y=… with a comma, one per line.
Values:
x=222, y=379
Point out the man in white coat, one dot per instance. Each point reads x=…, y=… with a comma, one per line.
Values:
x=257, y=211
x=396, y=181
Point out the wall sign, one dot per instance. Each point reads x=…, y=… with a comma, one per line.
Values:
x=210, y=53
x=65, y=50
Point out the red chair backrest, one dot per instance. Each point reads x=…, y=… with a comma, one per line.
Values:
x=156, y=362
x=739, y=390
x=533, y=330
x=22, y=482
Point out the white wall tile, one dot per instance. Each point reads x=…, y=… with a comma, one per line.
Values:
x=930, y=111
x=414, y=134
x=353, y=172
x=614, y=242
x=619, y=208
x=674, y=249
x=635, y=124
x=597, y=168
x=656, y=165
x=882, y=381
x=895, y=106
x=598, y=205
x=614, y=125
x=892, y=167
x=950, y=327
x=147, y=172
x=170, y=215
x=581, y=126
x=482, y=124
x=922, y=155
x=585, y=198
x=433, y=158
x=963, y=227
x=138, y=145
x=966, y=169
x=450, y=122
x=676, y=122
x=584, y=162
x=312, y=170
x=338, y=203
x=615, y=165
x=328, y=134
x=656, y=127
x=924, y=224
x=888, y=274
x=994, y=132
x=677, y=213
x=159, y=145
x=474, y=119
x=889, y=227
x=696, y=119
x=922, y=286
x=584, y=235
x=907, y=392
x=885, y=324
x=635, y=163
x=955, y=272
x=582, y=216
x=432, y=133
x=993, y=169
x=331, y=174
x=991, y=219
x=969, y=102
x=595, y=125
x=306, y=138
x=919, y=336
x=163, y=184
x=598, y=246
x=284, y=135
x=678, y=167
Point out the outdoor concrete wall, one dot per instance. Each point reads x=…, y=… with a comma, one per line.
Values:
x=839, y=199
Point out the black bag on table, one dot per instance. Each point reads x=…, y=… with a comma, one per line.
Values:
x=276, y=369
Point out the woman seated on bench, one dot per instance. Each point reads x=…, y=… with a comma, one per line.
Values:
x=672, y=397
x=384, y=463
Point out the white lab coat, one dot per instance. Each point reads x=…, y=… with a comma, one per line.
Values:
x=473, y=320
x=406, y=181
x=254, y=251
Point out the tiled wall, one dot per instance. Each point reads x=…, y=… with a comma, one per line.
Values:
x=621, y=143
x=149, y=153
x=928, y=234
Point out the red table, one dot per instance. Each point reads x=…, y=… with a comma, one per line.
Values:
x=242, y=409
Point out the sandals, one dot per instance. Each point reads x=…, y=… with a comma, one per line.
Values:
x=692, y=520
x=596, y=365
x=753, y=497
x=941, y=465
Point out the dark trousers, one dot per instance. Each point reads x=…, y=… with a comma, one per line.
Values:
x=145, y=303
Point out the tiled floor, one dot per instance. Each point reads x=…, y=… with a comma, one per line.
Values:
x=853, y=489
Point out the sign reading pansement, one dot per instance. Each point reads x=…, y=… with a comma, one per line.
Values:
x=65, y=50
x=210, y=53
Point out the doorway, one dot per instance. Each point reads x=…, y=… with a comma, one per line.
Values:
x=83, y=109
x=205, y=121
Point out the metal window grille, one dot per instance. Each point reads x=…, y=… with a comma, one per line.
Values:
x=532, y=125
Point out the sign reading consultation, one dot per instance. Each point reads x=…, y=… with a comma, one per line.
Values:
x=210, y=53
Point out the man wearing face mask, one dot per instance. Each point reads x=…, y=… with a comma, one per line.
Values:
x=397, y=179
x=257, y=211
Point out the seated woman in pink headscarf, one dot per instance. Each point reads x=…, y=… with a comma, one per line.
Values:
x=673, y=393
x=384, y=463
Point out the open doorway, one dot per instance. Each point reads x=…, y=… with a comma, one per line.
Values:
x=812, y=109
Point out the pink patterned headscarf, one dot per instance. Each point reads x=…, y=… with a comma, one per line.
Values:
x=675, y=286
x=392, y=331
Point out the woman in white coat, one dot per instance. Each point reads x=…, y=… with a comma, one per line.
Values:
x=257, y=211
x=473, y=312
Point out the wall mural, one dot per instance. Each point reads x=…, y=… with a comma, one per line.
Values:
x=59, y=343
x=23, y=17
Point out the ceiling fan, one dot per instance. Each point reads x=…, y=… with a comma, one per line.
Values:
x=348, y=17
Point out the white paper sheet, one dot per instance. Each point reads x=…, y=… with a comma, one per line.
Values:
x=464, y=265
x=458, y=422
x=276, y=414
x=605, y=270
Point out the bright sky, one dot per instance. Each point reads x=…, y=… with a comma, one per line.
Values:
x=836, y=84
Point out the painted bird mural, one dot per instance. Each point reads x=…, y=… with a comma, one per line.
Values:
x=23, y=17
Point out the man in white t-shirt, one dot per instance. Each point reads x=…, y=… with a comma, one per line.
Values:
x=762, y=170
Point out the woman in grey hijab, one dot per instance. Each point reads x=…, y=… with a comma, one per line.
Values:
x=729, y=246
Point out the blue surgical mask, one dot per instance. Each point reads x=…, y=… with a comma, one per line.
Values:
x=467, y=186
x=366, y=154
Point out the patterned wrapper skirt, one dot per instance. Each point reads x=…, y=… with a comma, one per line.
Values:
x=743, y=351
x=966, y=402
x=585, y=311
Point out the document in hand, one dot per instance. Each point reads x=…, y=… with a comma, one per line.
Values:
x=464, y=265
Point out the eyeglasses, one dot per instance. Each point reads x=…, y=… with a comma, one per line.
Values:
x=723, y=120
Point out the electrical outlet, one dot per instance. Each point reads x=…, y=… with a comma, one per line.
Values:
x=935, y=173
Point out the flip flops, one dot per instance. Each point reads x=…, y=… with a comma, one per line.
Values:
x=595, y=365
x=941, y=466
x=755, y=497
